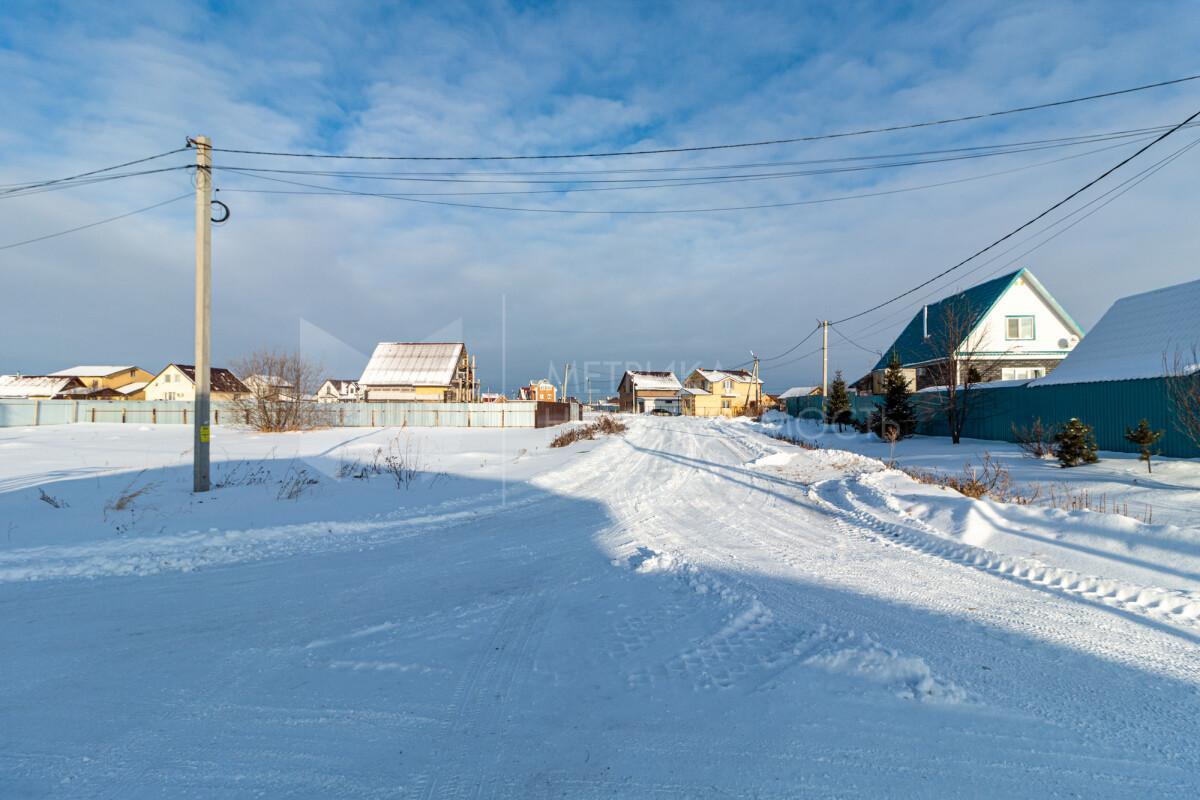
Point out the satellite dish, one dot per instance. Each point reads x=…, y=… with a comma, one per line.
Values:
x=1063, y=344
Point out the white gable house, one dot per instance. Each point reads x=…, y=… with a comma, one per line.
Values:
x=1011, y=328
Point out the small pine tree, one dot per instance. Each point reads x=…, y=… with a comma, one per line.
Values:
x=1145, y=438
x=1075, y=444
x=895, y=418
x=837, y=407
x=974, y=375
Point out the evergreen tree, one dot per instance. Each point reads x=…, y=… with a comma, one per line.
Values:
x=895, y=415
x=1074, y=444
x=837, y=407
x=1145, y=438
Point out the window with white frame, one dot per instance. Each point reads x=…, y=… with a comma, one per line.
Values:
x=1022, y=373
x=1019, y=327
x=728, y=385
x=725, y=404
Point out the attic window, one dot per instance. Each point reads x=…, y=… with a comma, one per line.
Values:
x=1019, y=328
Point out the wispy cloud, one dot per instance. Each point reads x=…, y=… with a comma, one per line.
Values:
x=85, y=87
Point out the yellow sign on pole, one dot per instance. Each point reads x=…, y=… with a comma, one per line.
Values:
x=204, y=433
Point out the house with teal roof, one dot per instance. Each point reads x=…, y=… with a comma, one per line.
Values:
x=1009, y=328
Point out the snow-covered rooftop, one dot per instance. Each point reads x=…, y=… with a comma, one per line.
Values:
x=1136, y=338
x=655, y=381
x=412, y=364
x=717, y=375
x=798, y=391
x=130, y=388
x=19, y=386
x=91, y=371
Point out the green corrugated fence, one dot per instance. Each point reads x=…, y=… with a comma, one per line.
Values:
x=1109, y=407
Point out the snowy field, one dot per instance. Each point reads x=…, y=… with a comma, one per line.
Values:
x=692, y=609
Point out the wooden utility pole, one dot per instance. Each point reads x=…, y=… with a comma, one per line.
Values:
x=201, y=430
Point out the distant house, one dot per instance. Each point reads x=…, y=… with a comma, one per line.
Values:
x=541, y=390
x=105, y=377
x=178, y=382
x=335, y=390
x=38, y=387
x=641, y=392
x=719, y=392
x=1015, y=330
x=1150, y=335
x=133, y=391
x=492, y=397
x=801, y=391
x=436, y=372
x=269, y=387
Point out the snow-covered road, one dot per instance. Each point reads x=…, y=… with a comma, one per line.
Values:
x=689, y=610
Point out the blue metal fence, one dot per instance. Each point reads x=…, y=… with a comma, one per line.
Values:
x=1109, y=407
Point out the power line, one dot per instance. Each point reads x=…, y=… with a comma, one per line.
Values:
x=94, y=224
x=325, y=190
x=793, y=140
x=1115, y=192
x=848, y=340
x=39, y=184
x=1025, y=224
x=657, y=182
x=60, y=186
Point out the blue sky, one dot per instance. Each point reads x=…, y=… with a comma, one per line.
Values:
x=90, y=85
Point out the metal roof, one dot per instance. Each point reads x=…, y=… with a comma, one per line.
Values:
x=35, y=385
x=91, y=371
x=1138, y=337
x=412, y=364
x=654, y=381
x=913, y=347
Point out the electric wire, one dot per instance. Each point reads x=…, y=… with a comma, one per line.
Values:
x=51, y=182
x=1027, y=223
x=763, y=143
x=96, y=223
x=1099, y=202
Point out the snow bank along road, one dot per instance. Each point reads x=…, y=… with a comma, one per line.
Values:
x=689, y=610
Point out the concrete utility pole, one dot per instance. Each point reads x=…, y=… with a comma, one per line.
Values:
x=824, y=362
x=566, y=372
x=757, y=385
x=200, y=443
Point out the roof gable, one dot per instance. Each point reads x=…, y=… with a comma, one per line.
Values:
x=219, y=378
x=913, y=347
x=652, y=381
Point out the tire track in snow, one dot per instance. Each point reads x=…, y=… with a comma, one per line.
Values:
x=1173, y=607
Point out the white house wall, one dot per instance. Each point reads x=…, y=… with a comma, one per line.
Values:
x=1021, y=300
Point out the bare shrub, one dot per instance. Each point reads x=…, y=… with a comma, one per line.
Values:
x=126, y=501
x=50, y=499
x=796, y=440
x=990, y=480
x=296, y=481
x=1065, y=497
x=1183, y=385
x=282, y=393
x=242, y=473
x=604, y=425
x=400, y=458
x=401, y=461
x=1035, y=439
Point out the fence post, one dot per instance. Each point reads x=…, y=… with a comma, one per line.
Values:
x=74, y=411
x=93, y=414
x=123, y=410
x=185, y=416
x=154, y=415
x=37, y=412
x=217, y=417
